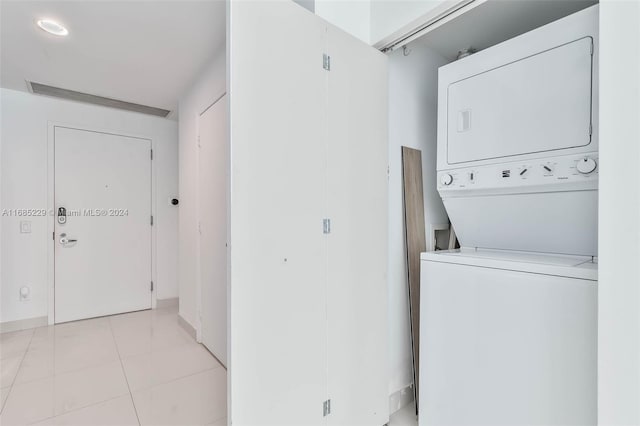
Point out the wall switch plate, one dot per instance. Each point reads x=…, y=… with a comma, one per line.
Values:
x=25, y=227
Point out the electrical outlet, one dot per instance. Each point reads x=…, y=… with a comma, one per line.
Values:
x=25, y=293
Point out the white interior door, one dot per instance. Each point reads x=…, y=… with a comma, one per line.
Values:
x=103, y=250
x=212, y=196
x=357, y=289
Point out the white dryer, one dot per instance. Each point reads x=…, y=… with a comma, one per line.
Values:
x=508, y=323
x=517, y=154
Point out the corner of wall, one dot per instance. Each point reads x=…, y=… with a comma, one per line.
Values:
x=207, y=86
x=413, y=83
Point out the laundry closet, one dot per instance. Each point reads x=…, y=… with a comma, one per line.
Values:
x=508, y=322
x=509, y=139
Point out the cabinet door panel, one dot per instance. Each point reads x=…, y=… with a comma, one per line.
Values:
x=278, y=251
x=357, y=252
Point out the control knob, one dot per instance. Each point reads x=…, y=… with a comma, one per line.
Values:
x=446, y=179
x=586, y=165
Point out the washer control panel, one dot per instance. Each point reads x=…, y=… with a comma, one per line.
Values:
x=534, y=173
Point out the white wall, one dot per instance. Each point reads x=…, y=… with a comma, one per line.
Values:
x=619, y=223
x=25, y=119
x=413, y=92
x=373, y=20
x=388, y=16
x=208, y=87
x=352, y=16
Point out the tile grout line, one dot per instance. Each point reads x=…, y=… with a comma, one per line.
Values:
x=33, y=332
x=112, y=330
x=63, y=372
x=164, y=382
x=74, y=371
x=124, y=373
x=206, y=370
x=182, y=378
x=77, y=409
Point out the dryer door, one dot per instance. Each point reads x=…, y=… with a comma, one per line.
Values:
x=539, y=103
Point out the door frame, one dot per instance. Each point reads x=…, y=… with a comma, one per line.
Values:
x=51, y=126
x=198, y=292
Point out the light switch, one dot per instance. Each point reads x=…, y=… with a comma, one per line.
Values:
x=25, y=227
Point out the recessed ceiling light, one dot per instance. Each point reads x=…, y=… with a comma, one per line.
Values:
x=52, y=27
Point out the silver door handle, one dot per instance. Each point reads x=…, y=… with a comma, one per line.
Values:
x=64, y=240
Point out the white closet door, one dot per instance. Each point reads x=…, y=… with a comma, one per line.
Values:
x=212, y=187
x=278, y=251
x=357, y=205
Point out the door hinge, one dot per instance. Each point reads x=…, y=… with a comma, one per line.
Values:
x=592, y=47
x=200, y=228
x=199, y=146
x=152, y=154
x=326, y=226
x=151, y=220
x=326, y=62
x=326, y=408
x=53, y=235
x=151, y=285
x=590, y=129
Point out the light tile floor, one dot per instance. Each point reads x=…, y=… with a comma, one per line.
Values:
x=139, y=368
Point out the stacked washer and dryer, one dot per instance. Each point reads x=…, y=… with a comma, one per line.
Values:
x=509, y=321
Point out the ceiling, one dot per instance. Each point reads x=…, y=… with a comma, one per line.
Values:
x=495, y=21
x=145, y=52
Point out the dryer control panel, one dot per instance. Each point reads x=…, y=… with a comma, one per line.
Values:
x=570, y=172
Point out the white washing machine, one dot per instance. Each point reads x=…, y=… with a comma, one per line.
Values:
x=507, y=338
x=508, y=324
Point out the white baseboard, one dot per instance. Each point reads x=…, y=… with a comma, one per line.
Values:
x=187, y=327
x=166, y=303
x=401, y=398
x=25, y=324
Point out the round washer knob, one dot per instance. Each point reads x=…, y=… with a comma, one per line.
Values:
x=586, y=165
x=446, y=179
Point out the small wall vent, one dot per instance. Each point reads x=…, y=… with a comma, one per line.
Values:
x=57, y=92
